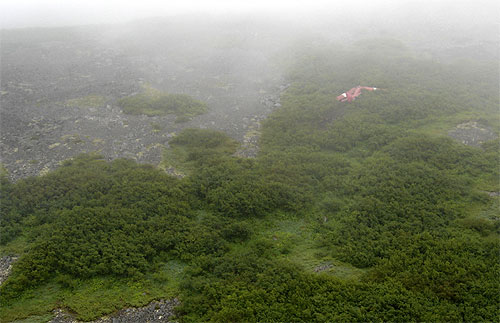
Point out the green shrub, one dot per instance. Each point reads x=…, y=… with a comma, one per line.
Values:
x=158, y=103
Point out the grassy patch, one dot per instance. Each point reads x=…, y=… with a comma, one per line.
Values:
x=36, y=319
x=192, y=144
x=440, y=126
x=38, y=302
x=175, y=157
x=152, y=102
x=208, y=141
x=14, y=247
x=295, y=239
x=96, y=297
x=101, y=295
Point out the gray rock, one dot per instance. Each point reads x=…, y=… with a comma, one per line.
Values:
x=156, y=311
x=323, y=267
x=6, y=263
x=472, y=133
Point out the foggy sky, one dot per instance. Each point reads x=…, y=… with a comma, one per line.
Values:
x=50, y=13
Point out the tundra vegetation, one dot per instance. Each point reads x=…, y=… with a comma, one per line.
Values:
x=152, y=102
x=351, y=212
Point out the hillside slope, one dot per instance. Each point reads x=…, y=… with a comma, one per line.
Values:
x=366, y=211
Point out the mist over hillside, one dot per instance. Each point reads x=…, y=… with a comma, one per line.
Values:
x=60, y=85
x=207, y=161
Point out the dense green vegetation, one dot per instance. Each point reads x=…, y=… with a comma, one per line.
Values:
x=152, y=102
x=351, y=212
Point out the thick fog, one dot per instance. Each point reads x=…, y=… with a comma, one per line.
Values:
x=44, y=13
x=65, y=64
x=427, y=22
